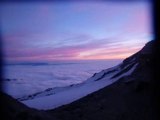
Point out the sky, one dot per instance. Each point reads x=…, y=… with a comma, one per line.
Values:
x=74, y=30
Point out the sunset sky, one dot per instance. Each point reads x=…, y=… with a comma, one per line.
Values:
x=74, y=30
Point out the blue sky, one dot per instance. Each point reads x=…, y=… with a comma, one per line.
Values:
x=74, y=30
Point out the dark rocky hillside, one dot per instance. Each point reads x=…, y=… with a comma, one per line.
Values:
x=130, y=98
x=11, y=109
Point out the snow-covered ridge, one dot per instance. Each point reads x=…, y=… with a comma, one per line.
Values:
x=24, y=80
x=50, y=91
x=55, y=97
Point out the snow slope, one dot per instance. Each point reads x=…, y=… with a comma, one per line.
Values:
x=52, y=98
x=22, y=79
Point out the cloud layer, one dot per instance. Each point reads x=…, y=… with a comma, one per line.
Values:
x=63, y=31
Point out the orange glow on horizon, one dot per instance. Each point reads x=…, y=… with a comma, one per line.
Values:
x=108, y=54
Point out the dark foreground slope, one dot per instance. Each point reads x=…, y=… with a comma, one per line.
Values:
x=130, y=98
x=11, y=109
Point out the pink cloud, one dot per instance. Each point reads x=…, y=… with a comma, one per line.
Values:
x=18, y=50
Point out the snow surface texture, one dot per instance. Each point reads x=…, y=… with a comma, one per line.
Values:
x=26, y=79
x=53, y=98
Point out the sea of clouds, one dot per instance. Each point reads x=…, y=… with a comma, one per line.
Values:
x=26, y=79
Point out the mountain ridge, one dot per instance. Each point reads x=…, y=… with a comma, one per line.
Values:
x=131, y=97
